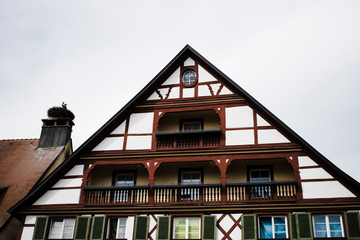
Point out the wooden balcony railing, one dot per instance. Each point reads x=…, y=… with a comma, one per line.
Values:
x=271, y=191
x=128, y=195
x=191, y=194
x=188, y=139
x=178, y=194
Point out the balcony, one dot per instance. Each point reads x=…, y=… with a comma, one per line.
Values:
x=191, y=194
x=188, y=139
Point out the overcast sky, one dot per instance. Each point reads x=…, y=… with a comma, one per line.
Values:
x=300, y=59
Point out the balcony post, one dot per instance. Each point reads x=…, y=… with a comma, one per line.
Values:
x=151, y=166
x=223, y=164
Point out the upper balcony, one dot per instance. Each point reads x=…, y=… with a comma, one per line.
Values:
x=179, y=130
x=248, y=181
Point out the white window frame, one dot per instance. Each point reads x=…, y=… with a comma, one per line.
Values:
x=117, y=227
x=187, y=220
x=327, y=224
x=62, y=228
x=125, y=174
x=190, y=172
x=273, y=225
x=260, y=169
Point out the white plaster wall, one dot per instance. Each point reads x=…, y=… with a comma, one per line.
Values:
x=71, y=182
x=226, y=223
x=305, y=161
x=138, y=142
x=225, y=91
x=239, y=137
x=174, y=93
x=174, y=78
x=31, y=219
x=237, y=117
x=163, y=92
x=27, y=233
x=63, y=196
x=141, y=123
x=215, y=87
x=154, y=96
x=129, y=228
x=325, y=189
x=110, y=143
x=203, y=91
x=205, y=76
x=189, y=62
x=120, y=129
x=76, y=170
x=188, y=92
x=261, y=122
x=314, y=173
x=270, y=136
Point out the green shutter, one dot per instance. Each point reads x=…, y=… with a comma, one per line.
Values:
x=208, y=227
x=82, y=227
x=292, y=225
x=303, y=226
x=163, y=228
x=97, y=228
x=40, y=228
x=248, y=224
x=141, y=228
x=352, y=225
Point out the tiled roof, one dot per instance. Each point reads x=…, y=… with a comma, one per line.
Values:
x=21, y=165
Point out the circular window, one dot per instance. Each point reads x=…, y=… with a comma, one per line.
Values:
x=189, y=78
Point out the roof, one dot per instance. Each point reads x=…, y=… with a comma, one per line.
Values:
x=21, y=166
x=123, y=113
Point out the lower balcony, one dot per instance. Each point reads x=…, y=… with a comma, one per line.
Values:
x=191, y=194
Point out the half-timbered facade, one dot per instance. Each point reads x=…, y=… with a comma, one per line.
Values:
x=193, y=156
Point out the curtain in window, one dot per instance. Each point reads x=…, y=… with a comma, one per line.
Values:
x=266, y=227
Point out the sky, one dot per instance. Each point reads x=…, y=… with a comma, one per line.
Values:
x=300, y=59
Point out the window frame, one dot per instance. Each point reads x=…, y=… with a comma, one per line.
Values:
x=191, y=120
x=187, y=220
x=63, y=219
x=190, y=170
x=251, y=169
x=273, y=225
x=186, y=71
x=327, y=225
x=118, y=218
x=125, y=173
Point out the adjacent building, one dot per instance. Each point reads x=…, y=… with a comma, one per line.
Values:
x=25, y=163
x=193, y=156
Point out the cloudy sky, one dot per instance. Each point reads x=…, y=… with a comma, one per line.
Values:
x=300, y=59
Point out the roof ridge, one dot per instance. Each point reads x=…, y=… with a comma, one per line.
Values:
x=19, y=139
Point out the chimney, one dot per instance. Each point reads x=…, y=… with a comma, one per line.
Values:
x=56, y=129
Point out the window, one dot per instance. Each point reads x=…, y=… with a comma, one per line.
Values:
x=328, y=226
x=116, y=227
x=62, y=228
x=273, y=227
x=187, y=228
x=260, y=175
x=125, y=179
x=190, y=177
x=189, y=78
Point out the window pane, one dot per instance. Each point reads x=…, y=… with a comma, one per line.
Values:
x=56, y=228
x=280, y=235
x=266, y=227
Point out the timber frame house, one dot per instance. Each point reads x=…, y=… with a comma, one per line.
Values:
x=193, y=156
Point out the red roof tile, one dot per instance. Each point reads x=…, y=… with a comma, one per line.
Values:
x=21, y=165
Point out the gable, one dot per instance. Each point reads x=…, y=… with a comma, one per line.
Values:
x=245, y=125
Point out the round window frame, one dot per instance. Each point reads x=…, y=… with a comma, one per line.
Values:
x=183, y=74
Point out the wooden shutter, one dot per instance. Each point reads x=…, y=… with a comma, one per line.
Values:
x=82, y=228
x=248, y=224
x=97, y=228
x=352, y=225
x=208, y=227
x=141, y=228
x=163, y=228
x=303, y=226
x=40, y=228
x=292, y=226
